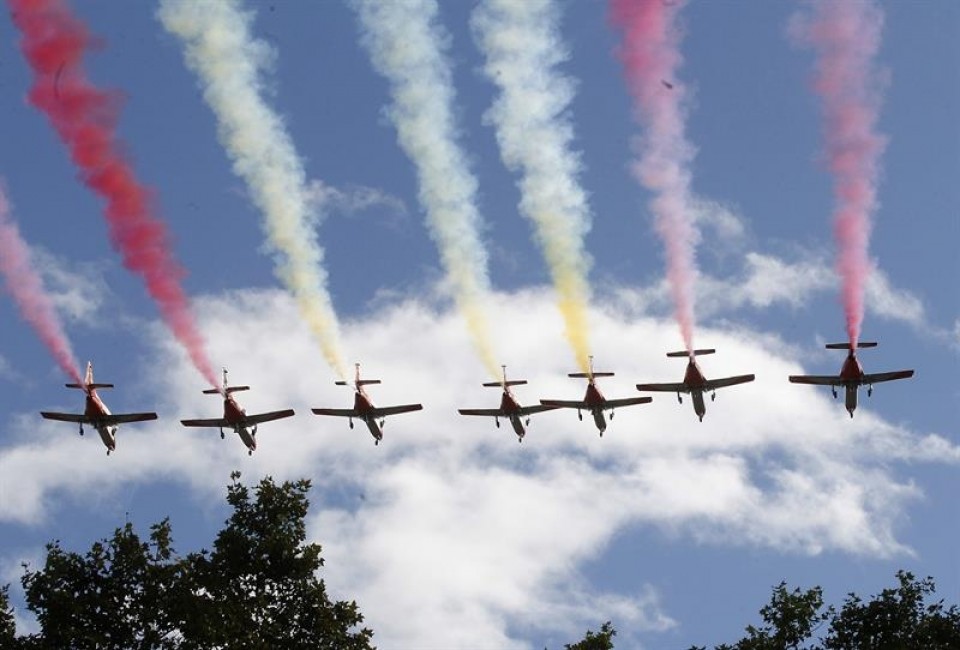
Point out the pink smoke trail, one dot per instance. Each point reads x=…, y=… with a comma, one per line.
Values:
x=54, y=43
x=26, y=287
x=651, y=57
x=846, y=37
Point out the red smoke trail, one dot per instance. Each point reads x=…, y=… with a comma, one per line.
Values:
x=651, y=56
x=846, y=36
x=54, y=43
x=26, y=287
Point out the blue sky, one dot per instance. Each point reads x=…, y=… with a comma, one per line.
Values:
x=449, y=533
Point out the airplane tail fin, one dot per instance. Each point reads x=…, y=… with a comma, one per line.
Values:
x=88, y=382
x=696, y=353
x=846, y=346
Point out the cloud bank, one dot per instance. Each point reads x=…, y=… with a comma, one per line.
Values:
x=449, y=519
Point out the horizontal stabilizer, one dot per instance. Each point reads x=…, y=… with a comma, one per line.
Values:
x=234, y=389
x=499, y=384
x=90, y=386
x=695, y=353
x=367, y=382
x=212, y=391
x=341, y=383
x=588, y=375
x=846, y=346
x=483, y=412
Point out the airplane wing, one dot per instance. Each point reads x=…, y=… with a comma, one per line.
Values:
x=344, y=413
x=213, y=422
x=714, y=384
x=394, y=410
x=817, y=380
x=122, y=418
x=629, y=401
x=66, y=417
x=564, y=404
x=487, y=412
x=886, y=376
x=664, y=388
x=260, y=418
x=536, y=408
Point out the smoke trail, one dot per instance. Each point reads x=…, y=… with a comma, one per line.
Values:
x=522, y=45
x=406, y=45
x=220, y=49
x=26, y=287
x=846, y=37
x=54, y=43
x=652, y=57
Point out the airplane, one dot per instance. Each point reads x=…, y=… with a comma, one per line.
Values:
x=593, y=400
x=851, y=375
x=364, y=409
x=235, y=417
x=96, y=413
x=510, y=408
x=695, y=383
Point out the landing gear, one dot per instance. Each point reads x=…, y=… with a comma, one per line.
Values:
x=497, y=422
x=869, y=391
x=383, y=423
x=701, y=418
x=679, y=399
x=611, y=415
x=713, y=397
x=834, y=391
x=108, y=451
x=580, y=415
x=254, y=432
x=528, y=422
x=376, y=442
x=222, y=434
x=249, y=452
x=351, y=423
x=81, y=429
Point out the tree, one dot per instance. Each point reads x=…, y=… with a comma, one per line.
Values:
x=257, y=588
x=896, y=619
x=602, y=640
x=8, y=626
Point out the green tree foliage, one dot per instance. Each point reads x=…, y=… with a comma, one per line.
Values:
x=257, y=588
x=896, y=619
x=602, y=640
x=7, y=625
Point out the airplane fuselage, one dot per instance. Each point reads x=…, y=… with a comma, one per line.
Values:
x=95, y=410
x=363, y=405
x=851, y=374
x=236, y=416
x=595, y=400
x=511, y=409
x=695, y=381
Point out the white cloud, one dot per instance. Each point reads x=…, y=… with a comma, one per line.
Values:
x=355, y=198
x=78, y=289
x=449, y=518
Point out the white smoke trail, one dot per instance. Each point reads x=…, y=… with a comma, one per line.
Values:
x=220, y=49
x=523, y=47
x=407, y=47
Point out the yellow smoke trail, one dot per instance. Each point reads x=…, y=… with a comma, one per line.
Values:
x=220, y=49
x=523, y=47
x=406, y=45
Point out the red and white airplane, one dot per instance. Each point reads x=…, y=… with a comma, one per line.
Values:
x=364, y=409
x=96, y=413
x=851, y=375
x=510, y=408
x=593, y=400
x=235, y=417
x=695, y=383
